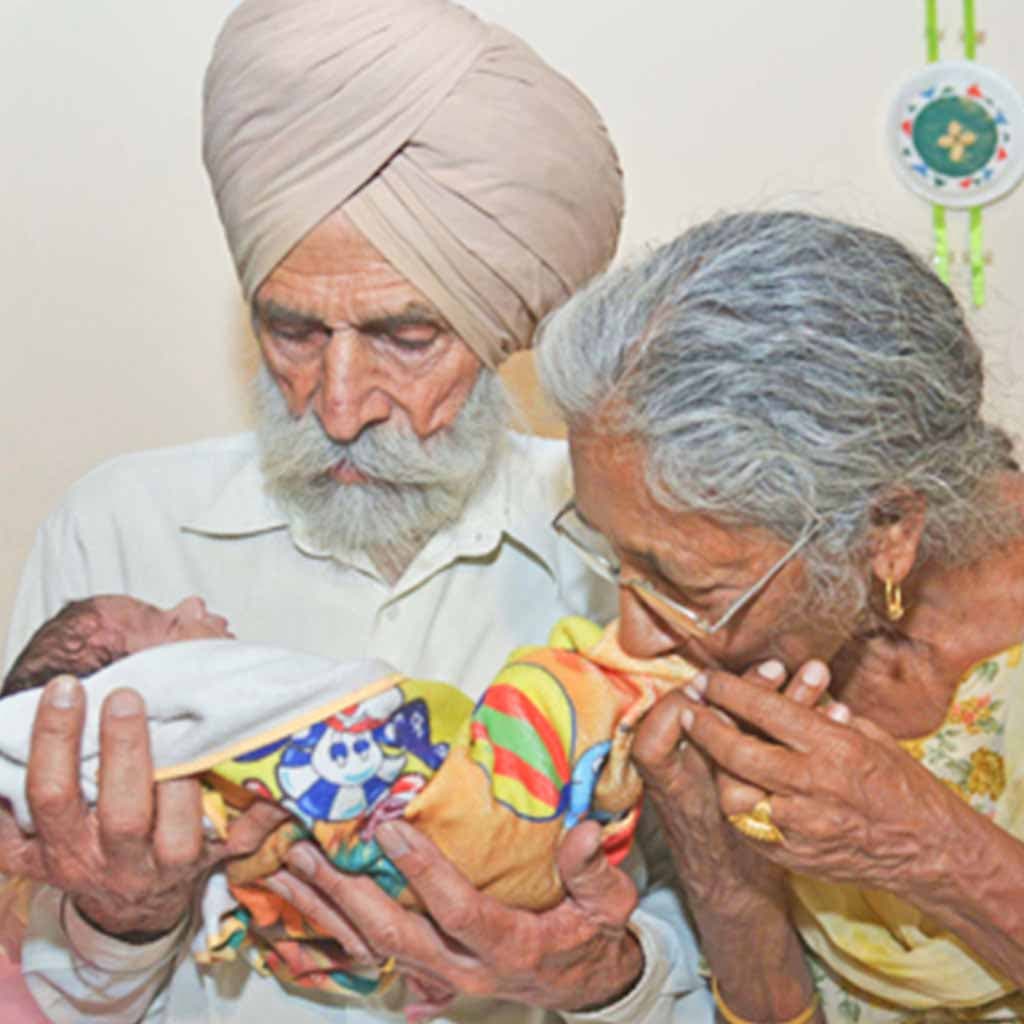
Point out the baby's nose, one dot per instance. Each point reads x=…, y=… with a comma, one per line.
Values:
x=193, y=607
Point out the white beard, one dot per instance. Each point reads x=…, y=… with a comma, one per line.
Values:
x=415, y=487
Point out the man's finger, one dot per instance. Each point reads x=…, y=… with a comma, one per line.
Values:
x=384, y=926
x=476, y=920
x=19, y=854
x=320, y=913
x=247, y=832
x=178, y=833
x=602, y=892
x=52, y=785
x=125, y=806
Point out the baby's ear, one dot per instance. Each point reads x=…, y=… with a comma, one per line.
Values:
x=107, y=643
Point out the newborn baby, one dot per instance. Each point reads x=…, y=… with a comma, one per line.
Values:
x=346, y=747
x=85, y=636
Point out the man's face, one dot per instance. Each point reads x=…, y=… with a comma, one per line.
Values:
x=376, y=421
x=345, y=335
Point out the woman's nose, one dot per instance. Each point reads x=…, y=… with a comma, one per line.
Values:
x=641, y=633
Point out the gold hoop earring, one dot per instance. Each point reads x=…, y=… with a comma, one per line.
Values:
x=893, y=601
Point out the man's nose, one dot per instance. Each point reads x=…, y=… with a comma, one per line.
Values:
x=352, y=393
x=641, y=633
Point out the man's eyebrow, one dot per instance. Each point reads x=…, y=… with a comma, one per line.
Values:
x=272, y=309
x=412, y=313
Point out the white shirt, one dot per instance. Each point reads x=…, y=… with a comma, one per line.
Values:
x=195, y=519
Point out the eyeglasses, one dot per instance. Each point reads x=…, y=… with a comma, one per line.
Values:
x=594, y=548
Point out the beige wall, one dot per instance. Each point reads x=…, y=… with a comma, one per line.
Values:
x=121, y=326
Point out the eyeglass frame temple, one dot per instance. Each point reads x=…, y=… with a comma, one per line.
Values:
x=615, y=575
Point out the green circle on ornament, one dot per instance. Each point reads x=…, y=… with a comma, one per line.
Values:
x=955, y=136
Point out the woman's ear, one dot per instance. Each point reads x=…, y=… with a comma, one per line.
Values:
x=897, y=522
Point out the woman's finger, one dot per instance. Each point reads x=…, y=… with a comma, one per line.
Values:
x=735, y=795
x=763, y=764
x=773, y=714
x=808, y=684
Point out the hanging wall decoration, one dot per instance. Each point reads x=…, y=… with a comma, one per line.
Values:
x=956, y=134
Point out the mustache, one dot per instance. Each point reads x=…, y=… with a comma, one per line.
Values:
x=388, y=454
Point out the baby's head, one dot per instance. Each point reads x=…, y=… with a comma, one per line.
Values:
x=85, y=636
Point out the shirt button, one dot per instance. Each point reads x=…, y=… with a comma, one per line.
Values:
x=391, y=614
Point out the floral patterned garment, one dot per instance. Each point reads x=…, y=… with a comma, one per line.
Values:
x=966, y=753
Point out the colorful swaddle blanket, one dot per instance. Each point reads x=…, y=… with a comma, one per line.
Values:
x=494, y=785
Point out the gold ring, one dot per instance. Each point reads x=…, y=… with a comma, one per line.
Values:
x=757, y=823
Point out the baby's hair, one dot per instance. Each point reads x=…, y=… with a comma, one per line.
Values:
x=67, y=643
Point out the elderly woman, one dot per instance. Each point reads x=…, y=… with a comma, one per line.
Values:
x=780, y=458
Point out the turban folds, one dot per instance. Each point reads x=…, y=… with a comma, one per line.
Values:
x=481, y=174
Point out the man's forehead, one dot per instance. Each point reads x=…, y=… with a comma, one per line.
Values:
x=370, y=310
x=336, y=274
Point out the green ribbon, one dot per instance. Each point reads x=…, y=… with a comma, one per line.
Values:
x=970, y=37
x=977, y=258
x=941, y=235
x=939, y=226
x=977, y=238
x=931, y=30
x=941, y=258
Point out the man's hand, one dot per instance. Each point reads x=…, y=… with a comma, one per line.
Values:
x=575, y=955
x=132, y=863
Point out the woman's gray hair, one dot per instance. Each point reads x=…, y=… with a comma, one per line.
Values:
x=781, y=368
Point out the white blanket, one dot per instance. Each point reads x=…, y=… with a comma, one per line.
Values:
x=201, y=696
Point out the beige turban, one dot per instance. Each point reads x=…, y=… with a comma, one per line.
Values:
x=483, y=176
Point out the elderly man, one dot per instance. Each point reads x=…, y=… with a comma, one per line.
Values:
x=406, y=192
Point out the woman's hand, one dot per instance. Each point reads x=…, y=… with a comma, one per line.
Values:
x=850, y=803
x=684, y=785
x=737, y=896
x=132, y=863
x=579, y=953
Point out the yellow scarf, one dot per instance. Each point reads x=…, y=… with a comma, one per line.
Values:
x=885, y=946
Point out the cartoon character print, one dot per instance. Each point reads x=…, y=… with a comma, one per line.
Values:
x=345, y=766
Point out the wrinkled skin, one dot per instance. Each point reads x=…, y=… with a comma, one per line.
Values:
x=133, y=863
x=576, y=954
x=852, y=804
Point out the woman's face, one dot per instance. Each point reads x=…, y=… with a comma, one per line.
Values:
x=694, y=560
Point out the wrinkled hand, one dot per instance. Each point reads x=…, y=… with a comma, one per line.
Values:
x=132, y=863
x=576, y=954
x=852, y=805
x=684, y=785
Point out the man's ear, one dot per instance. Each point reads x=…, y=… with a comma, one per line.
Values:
x=897, y=522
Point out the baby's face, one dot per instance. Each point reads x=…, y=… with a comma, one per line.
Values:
x=143, y=625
